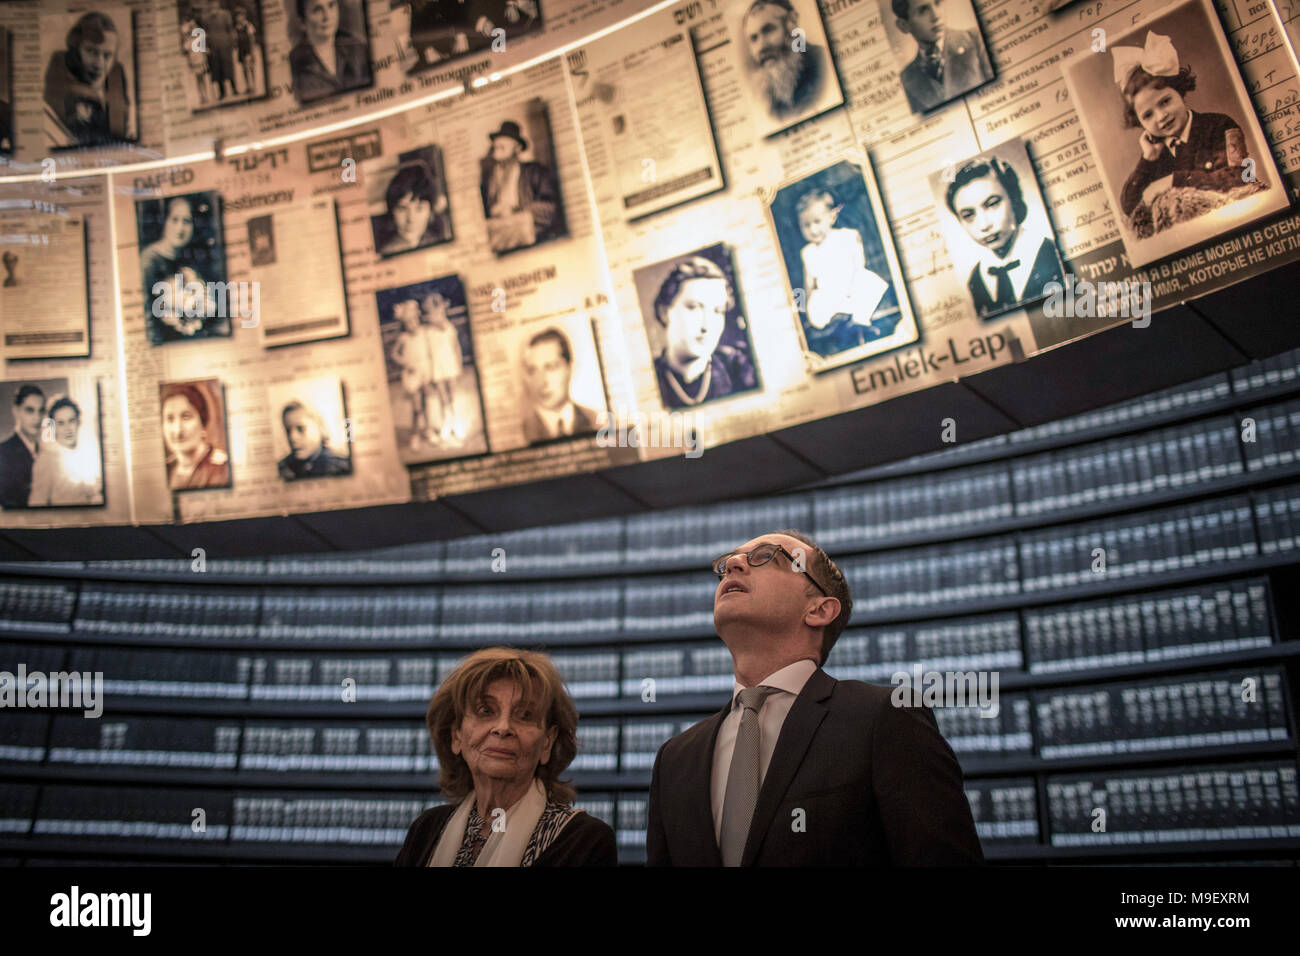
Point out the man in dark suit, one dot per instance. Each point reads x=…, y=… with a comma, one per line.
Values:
x=948, y=63
x=547, y=373
x=18, y=452
x=511, y=188
x=800, y=769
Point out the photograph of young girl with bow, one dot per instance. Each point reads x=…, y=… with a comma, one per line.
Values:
x=1175, y=137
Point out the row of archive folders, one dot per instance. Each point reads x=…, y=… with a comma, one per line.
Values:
x=1129, y=548
x=331, y=748
x=1123, y=630
x=1209, y=709
x=1252, y=800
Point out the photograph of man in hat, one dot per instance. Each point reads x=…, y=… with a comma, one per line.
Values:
x=521, y=197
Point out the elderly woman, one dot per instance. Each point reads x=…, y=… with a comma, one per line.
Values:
x=505, y=729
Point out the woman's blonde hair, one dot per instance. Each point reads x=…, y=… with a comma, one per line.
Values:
x=538, y=680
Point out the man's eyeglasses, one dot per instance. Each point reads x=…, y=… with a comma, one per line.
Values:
x=761, y=556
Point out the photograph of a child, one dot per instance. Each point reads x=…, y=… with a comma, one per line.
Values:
x=696, y=326
x=997, y=229
x=182, y=256
x=841, y=267
x=939, y=49
x=1179, y=148
x=408, y=201
x=433, y=382
x=309, y=429
x=222, y=43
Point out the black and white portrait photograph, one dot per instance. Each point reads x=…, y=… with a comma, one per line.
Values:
x=330, y=47
x=561, y=393
x=407, y=195
x=310, y=429
x=997, y=230
x=1174, y=134
x=442, y=30
x=939, y=49
x=261, y=241
x=224, y=51
x=50, y=455
x=518, y=180
x=90, y=94
x=193, y=419
x=433, y=382
x=182, y=256
x=782, y=54
x=6, y=92
x=696, y=326
x=845, y=280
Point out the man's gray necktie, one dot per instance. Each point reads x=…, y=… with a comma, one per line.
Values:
x=742, y=779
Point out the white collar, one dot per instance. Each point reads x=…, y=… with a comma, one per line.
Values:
x=1025, y=249
x=1181, y=138
x=554, y=419
x=790, y=679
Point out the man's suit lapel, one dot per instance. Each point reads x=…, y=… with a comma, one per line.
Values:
x=698, y=771
x=796, y=734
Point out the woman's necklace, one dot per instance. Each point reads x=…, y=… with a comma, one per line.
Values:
x=699, y=395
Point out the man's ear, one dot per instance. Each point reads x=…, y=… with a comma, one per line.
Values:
x=904, y=26
x=825, y=612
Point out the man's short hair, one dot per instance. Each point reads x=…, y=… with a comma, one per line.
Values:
x=1002, y=171
x=829, y=576
x=556, y=336
x=24, y=391
x=902, y=8
x=783, y=4
x=411, y=180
